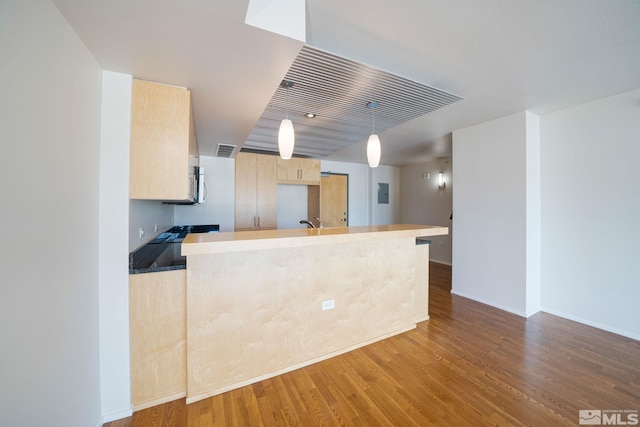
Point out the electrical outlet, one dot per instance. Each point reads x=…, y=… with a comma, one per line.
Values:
x=140, y=232
x=329, y=304
x=155, y=228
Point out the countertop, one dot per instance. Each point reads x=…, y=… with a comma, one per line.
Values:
x=238, y=241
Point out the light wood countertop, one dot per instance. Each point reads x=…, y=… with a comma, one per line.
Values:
x=239, y=241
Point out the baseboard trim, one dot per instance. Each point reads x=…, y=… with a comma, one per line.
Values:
x=440, y=262
x=114, y=416
x=534, y=311
x=596, y=325
x=577, y=319
x=160, y=401
x=490, y=303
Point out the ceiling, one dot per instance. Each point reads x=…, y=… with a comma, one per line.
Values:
x=349, y=101
x=499, y=56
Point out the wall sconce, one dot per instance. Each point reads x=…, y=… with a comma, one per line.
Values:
x=441, y=183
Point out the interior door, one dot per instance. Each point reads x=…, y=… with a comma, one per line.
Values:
x=334, y=200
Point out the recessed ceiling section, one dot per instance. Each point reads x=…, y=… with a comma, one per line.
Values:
x=337, y=91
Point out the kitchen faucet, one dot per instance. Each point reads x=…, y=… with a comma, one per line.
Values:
x=309, y=224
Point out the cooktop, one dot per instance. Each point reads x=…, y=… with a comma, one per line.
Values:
x=163, y=252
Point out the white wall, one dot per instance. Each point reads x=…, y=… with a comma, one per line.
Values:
x=148, y=215
x=591, y=213
x=293, y=205
x=490, y=212
x=219, y=207
x=422, y=202
x=49, y=182
x=114, y=246
x=385, y=213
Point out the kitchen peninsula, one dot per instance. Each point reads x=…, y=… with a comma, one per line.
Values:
x=261, y=303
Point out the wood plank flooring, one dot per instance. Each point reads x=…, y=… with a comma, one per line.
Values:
x=469, y=365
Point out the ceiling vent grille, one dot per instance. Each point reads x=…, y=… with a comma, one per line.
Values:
x=337, y=90
x=225, y=150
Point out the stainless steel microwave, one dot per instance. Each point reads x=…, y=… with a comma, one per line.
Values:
x=199, y=189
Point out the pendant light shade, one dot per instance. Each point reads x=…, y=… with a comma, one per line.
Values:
x=286, y=135
x=373, y=151
x=286, y=139
x=373, y=144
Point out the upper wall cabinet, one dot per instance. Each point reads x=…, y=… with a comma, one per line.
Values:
x=163, y=143
x=299, y=171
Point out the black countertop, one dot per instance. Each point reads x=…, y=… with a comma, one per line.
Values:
x=163, y=252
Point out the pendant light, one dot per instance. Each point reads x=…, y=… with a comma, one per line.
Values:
x=373, y=145
x=286, y=135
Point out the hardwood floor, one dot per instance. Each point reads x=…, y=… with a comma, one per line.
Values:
x=470, y=364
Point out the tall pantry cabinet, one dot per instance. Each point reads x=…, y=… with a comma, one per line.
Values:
x=256, y=192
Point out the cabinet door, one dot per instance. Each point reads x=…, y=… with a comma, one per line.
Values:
x=158, y=337
x=310, y=171
x=299, y=171
x=288, y=170
x=161, y=142
x=267, y=192
x=246, y=191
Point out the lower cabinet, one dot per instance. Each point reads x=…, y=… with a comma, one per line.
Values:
x=158, y=337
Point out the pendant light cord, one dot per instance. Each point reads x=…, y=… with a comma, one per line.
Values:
x=373, y=121
x=373, y=105
x=287, y=102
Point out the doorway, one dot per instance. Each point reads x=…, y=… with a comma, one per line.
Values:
x=334, y=200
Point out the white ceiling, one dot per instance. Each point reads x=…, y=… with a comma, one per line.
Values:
x=500, y=56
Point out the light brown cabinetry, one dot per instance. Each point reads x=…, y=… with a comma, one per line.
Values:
x=256, y=192
x=163, y=143
x=299, y=171
x=158, y=337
